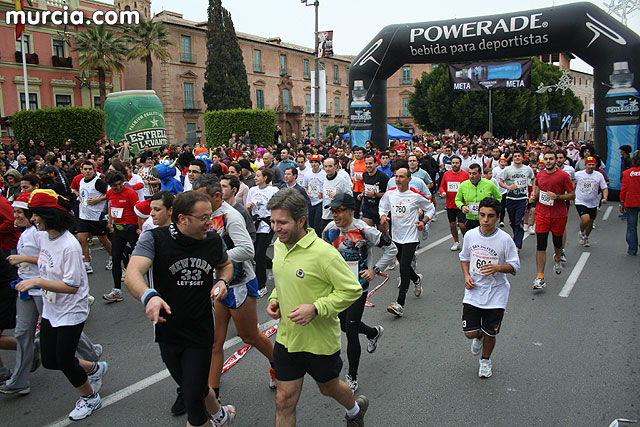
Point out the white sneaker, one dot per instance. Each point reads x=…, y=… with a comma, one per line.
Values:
x=456, y=246
x=538, y=284
x=581, y=237
x=88, y=268
x=532, y=230
x=91, y=299
x=586, y=243
x=417, y=287
x=557, y=266
x=109, y=264
x=85, y=406
x=485, y=368
x=114, y=296
x=229, y=416
x=525, y=227
x=393, y=265
x=476, y=346
x=96, y=378
x=373, y=342
x=353, y=384
x=262, y=292
x=396, y=309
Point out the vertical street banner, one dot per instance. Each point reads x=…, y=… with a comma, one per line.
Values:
x=490, y=75
x=323, y=92
x=325, y=44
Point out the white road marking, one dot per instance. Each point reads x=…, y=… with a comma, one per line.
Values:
x=149, y=381
x=575, y=274
x=607, y=213
x=434, y=244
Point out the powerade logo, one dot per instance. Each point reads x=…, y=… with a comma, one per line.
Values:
x=360, y=115
x=478, y=28
x=624, y=106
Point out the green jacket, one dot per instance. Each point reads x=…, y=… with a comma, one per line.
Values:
x=471, y=195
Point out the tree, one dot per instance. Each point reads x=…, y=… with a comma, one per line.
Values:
x=435, y=106
x=101, y=50
x=225, y=84
x=149, y=39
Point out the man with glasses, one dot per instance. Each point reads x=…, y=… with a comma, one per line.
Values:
x=196, y=169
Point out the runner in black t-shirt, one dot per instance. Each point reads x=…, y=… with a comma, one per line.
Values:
x=180, y=302
x=375, y=183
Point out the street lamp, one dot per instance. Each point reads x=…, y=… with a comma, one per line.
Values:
x=198, y=134
x=316, y=87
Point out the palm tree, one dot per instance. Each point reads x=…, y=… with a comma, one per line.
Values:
x=149, y=39
x=101, y=50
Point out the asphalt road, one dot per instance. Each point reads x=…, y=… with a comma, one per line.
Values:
x=559, y=360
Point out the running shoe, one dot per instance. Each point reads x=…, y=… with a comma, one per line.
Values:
x=262, y=292
x=272, y=378
x=557, y=265
x=114, y=296
x=532, y=229
x=35, y=363
x=95, y=379
x=586, y=243
x=178, y=407
x=476, y=346
x=5, y=374
x=417, y=286
x=425, y=234
x=581, y=237
x=358, y=421
x=538, y=284
x=373, y=342
x=435, y=218
x=525, y=227
x=353, y=384
x=85, y=406
x=396, y=309
x=456, y=246
x=563, y=257
x=393, y=265
x=88, y=268
x=109, y=264
x=97, y=348
x=91, y=299
x=124, y=273
x=5, y=389
x=485, y=368
x=229, y=416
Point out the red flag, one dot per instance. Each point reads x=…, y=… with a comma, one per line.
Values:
x=19, y=26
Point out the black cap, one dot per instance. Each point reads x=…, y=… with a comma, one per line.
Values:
x=342, y=199
x=245, y=164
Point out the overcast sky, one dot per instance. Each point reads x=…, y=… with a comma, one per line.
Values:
x=354, y=22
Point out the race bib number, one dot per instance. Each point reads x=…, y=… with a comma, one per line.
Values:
x=353, y=265
x=400, y=210
x=447, y=166
x=370, y=190
x=49, y=296
x=474, y=208
x=520, y=182
x=116, y=212
x=331, y=193
x=357, y=176
x=314, y=188
x=586, y=186
x=478, y=260
x=452, y=187
x=544, y=199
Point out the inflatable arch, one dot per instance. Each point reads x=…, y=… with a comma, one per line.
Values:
x=582, y=28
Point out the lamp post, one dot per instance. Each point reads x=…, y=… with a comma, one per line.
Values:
x=316, y=87
x=198, y=134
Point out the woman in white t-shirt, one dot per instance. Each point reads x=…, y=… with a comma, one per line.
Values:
x=257, y=200
x=65, y=304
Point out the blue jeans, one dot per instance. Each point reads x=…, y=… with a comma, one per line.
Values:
x=515, y=209
x=632, y=230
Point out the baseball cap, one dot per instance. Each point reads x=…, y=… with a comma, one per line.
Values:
x=589, y=160
x=315, y=158
x=342, y=199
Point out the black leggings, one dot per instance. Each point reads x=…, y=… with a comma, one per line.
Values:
x=542, y=239
x=263, y=262
x=119, y=240
x=406, y=251
x=189, y=367
x=58, y=350
x=351, y=323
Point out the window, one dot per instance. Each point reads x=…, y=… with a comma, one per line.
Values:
x=286, y=100
x=27, y=44
x=336, y=74
x=307, y=74
x=307, y=103
x=336, y=104
x=322, y=66
x=33, y=101
x=58, y=48
x=185, y=46
x=257, y=60
x=283, y=65
x=324, y=131
x=580, y=81
x=260, y=99
x=405, y=107
x=188, y=96
x=406, y=75
x=96, y=102
x=63, y=100
x=191, y=133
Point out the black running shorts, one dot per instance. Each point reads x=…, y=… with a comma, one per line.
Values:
x=486, y=319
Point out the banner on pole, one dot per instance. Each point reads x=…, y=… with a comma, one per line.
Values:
x=490, y=75
x=325, y=44
x=322, y=90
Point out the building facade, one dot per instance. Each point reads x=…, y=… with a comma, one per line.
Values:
x=279, y=77
x=582, y=87
x=51, y=64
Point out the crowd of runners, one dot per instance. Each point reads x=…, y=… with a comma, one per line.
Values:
x=189, y=228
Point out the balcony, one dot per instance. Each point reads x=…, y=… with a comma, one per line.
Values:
x=60, y=61
x=297, y=109
x=32, y=58
x=191, y=106
x=188, y=58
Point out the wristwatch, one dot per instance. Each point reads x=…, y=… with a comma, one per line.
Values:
x=226, y=283
x=376, y=269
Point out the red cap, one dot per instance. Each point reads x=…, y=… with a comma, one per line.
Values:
x=22, y=201
x=46, y=198
x=315, y=158
x=590, y=160
x=143, y=209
